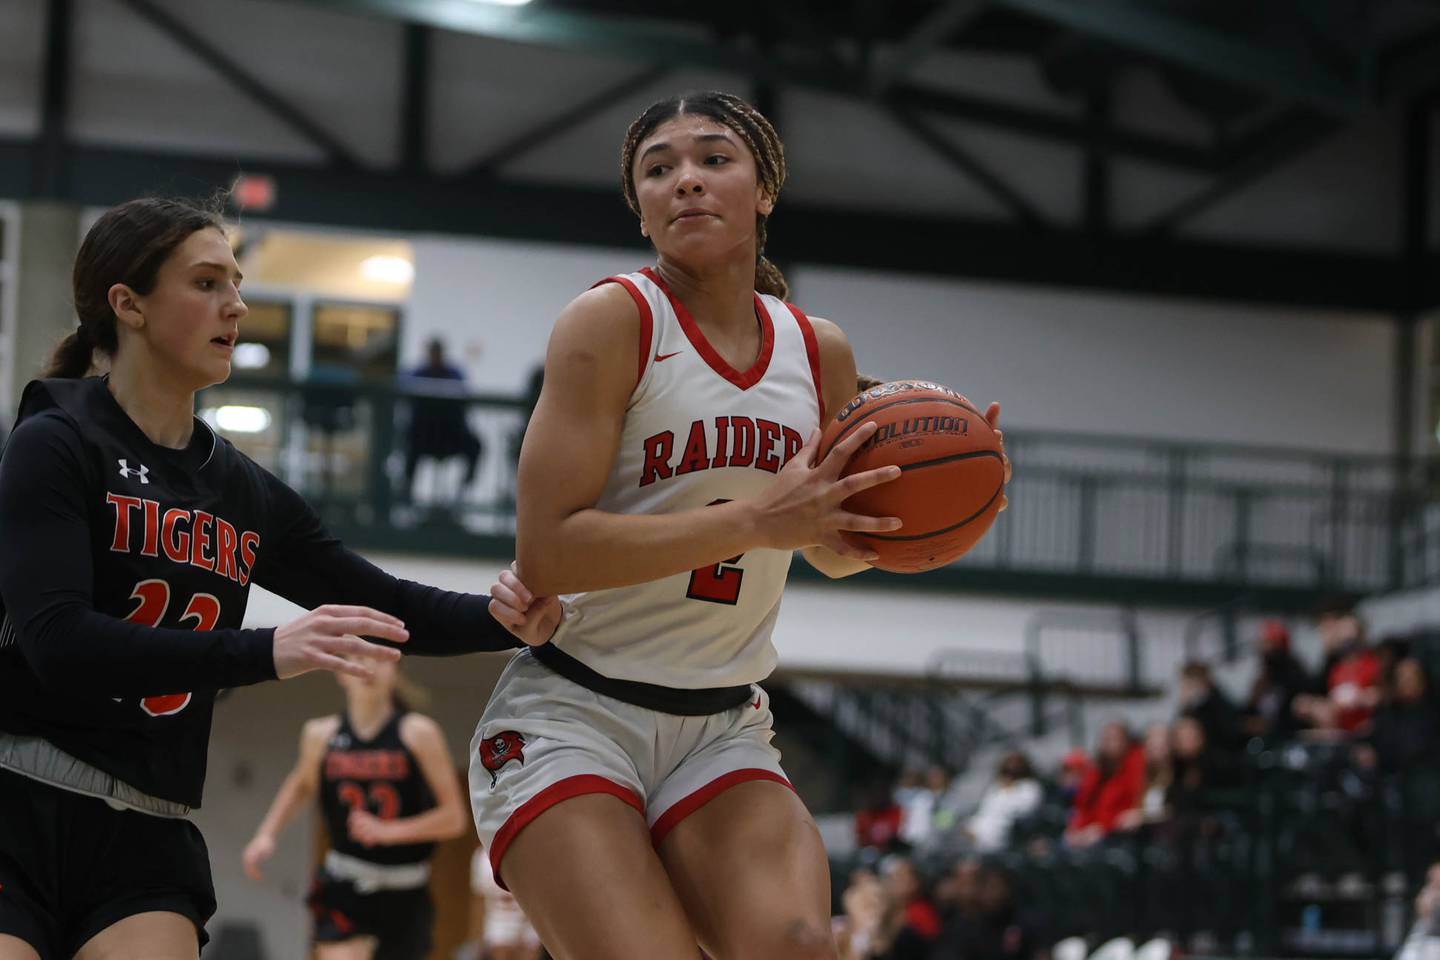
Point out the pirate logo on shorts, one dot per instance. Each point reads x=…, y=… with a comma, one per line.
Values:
x=499, y=750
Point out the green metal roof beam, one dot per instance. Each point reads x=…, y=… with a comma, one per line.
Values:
x=635, y=39
x=949, y=19
x=1287, y=70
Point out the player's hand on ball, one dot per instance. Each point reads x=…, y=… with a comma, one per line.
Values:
x=257, y=852
x=992, y=417
x=329, y=638
x=367, y=829
x=533, y=619
x=803, y=507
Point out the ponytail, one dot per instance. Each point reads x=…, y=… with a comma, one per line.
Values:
x=73, y=357
x=768, y=278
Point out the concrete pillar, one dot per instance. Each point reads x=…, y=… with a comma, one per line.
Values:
x=49, y=237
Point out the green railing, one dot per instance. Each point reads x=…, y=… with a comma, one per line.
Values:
x=1106, y=511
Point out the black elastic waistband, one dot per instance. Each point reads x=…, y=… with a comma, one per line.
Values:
x=652, y=696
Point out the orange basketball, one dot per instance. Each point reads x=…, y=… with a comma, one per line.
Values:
x=953, y=477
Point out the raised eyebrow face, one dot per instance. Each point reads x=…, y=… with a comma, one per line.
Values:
x=665, y=145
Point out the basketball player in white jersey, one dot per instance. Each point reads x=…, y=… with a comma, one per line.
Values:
x=622, y=776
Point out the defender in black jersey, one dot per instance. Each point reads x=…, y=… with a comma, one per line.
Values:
x=387, y=792
x=131, y=534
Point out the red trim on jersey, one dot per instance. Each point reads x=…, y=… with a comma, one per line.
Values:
x=557, y=792
x=671, y=818
x=712, y=356
x=812, y=350
x=647, y=321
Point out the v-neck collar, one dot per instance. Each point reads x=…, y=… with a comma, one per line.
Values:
x=719, y=364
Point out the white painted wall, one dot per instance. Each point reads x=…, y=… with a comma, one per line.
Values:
x=1135, y=366
x=1057, y=360
x=495, y=301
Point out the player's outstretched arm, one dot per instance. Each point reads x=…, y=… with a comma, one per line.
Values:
x=309, y=566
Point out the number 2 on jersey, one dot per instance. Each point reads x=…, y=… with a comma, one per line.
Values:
x=154, y=600
x=719, y=583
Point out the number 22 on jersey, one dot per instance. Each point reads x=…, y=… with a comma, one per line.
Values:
x=153, y=598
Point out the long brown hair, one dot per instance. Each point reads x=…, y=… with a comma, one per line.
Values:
x=126, y=245
x=759, y=135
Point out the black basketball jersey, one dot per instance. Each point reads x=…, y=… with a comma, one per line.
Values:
x=124, y=574
x=380, y=775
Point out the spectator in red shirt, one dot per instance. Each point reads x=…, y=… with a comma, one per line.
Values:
x=914, y=921
x=1352, y=683
x=1113, y=785
x=877, y=824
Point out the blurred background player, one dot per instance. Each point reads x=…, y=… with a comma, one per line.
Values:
x=388, y=793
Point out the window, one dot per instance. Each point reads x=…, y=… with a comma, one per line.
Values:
x=360, y=338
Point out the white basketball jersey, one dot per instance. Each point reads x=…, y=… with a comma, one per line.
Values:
x=697, y=431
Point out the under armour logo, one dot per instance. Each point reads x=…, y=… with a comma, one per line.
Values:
x=143, y=473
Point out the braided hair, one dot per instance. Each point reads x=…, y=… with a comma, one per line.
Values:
x=752, y=127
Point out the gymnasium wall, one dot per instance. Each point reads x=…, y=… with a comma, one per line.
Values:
x=1057, y=359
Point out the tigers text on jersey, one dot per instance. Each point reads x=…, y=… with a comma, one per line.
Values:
x=698, y=432
x=380, y=775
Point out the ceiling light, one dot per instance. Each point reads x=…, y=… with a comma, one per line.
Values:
x=388, y=269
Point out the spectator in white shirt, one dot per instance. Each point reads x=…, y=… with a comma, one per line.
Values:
x=1014, y=794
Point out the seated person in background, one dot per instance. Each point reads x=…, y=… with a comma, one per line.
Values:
x=1014, y=794
x=877, y=823
x=1199, y=768
x=1159, y=775
x=438, y=429
x=1113, y=785
x=1352, y=684
x=1406, y=730
x=1201, y=699
x=919, y=801
x=1279, y=680
x=911, y=922
x=995, y=930
x=857, y=933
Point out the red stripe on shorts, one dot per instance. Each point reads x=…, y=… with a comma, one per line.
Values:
x=557, y=792
x=683, y=808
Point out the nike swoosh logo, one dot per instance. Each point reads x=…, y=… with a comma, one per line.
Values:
x=661, y=357
x=756, y=704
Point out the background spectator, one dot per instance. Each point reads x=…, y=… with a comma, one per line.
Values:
x=919, y=802
x=1113, y=785
x=1352, y=682
x=912, y=921
x=438, y=428
x=1014, y=794
x=995, y=930
x=877, y=823
x=1207, y=703
x=1159, y=775
x=1407, y=726
x=1279, y=679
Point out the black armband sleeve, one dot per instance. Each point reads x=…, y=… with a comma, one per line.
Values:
x=47, y=584
x=310, y=567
